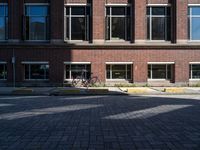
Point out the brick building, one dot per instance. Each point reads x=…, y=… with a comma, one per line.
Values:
x=47, y=42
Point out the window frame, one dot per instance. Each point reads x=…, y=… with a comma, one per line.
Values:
x=191, y=71
x=47, y=23
x=87, y=22
x=110, y=6
x=29, y=71
x=150, y=16
x=6, y=22
x=5, y=68
x=119, y=63
x=190, y=16
x=70, y=71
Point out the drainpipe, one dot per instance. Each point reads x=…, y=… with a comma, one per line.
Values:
x=14, y=69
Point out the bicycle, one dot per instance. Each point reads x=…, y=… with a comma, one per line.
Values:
x=82, y=81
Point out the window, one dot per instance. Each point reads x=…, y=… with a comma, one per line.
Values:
x=74, y=70
x=118, y=23
x=195, y=71
x=36, y=22
x=119, y=72
x=36, y=71
x=3, y=71
x=3, y=22
x=159, y=23
x=77, y=23
x=160, y=71
x=194, y=23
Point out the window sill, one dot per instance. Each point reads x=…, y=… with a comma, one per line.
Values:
x=36, y=80
x=167, y=80
x=194, y=79
x=127, y=80
x=36, y=41
x=76, y=41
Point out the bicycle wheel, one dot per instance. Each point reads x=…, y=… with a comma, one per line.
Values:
x=94, y=81
x=76, y=81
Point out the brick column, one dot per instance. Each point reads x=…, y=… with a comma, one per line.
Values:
x=139, y=15
x=181, y=72
x=181, y=21
x=56, y=20
x=140, y=72
x=98, y=21
x=15, y=12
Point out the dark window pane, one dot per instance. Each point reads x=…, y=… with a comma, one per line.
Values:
x=128, y=29
x=27, y=72
x=148, y=28
x=195, y=29
x=107, y=26
x=3, y=71
x=119, y=71
x=118, y=10
x=67, y=28
x=77, y=70
x=148, y=10
x=108, y=69
x=159, y=71
x=67, y=10
x=2, y=28
x=149, y=72
x=107, y=10
x=158, y=10
x=3, y=10
x=169, y=71
x=168, y=11
x=78, y=28
x=158, y=28
x=168, y=30
x=195, y=10
x=196, y=71
x=118, y=28
x=78, y=10
x=37, y=28
x=39, y=71
x=37, y=11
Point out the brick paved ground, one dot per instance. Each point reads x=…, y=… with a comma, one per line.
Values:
x=100, y=122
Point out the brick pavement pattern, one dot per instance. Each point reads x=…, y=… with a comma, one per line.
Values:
x=100, y=122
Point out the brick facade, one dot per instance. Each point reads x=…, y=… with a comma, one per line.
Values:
x=97, y=51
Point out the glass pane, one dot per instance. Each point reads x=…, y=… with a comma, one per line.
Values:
x=168, y=29
x=78, y=11
x=2, y=28
x=195, y=29
x=168, y=11
x=78, y=28
x=148, y=28
x=128, y=25
x=3, y=10
x=67, y=28
x=67, y=10
x=108, y=72
x=37, y=28
x=77, y=70
x=107, y=10
x=118, y=28
x=39, y=71
x=195, y=10
x=118, y=10
x=158, y=71
x=107, y=25
x=148, y=10
x=196, y=71
x=3, y=71
x=158, y=10
x=149, y=71
x=129, y=71
x=37, y=10
x=119, y=71
x=158, y=28
x=169, y=71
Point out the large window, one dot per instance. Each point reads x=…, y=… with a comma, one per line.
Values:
x=74, y=70
x=3, y=22
x=158, y=23
x=194, y=23
x=118, y=23
x=119, y=71
x=36, y=71
x=36, y=22
x=3, y=71
x=195, y=71
x=160, y=71
x=77, y=23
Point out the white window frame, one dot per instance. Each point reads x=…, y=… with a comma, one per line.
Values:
x=29, y=63
x=119, y=63
x=166, y=69
x=6, y=27
x=157, y=16
x=190, y=16
x=191, y=71
x=4, y=63
x=38, y=4
x=121, y=16
x=70, y=71
x=87, y=22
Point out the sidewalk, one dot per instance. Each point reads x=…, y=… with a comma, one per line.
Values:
x=62, y=91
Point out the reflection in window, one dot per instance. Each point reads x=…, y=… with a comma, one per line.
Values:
x=3, y=71
x=72, y=71
x=195, y=71
x=3, y=22
x=163, y=71
x=194, y=23
x=119, y=72
x=158, y=23
x=36, y=22
x=118, y=23
x=36, y=71
x=77, y=22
